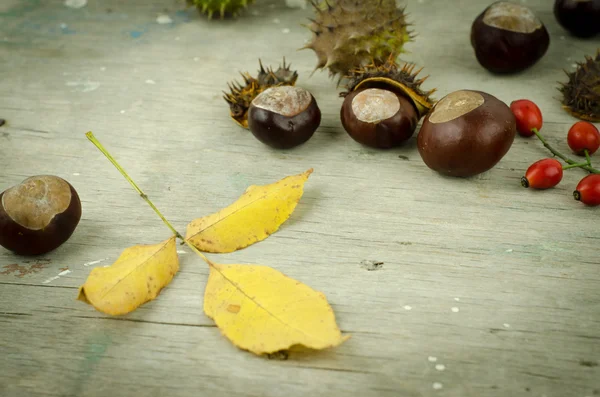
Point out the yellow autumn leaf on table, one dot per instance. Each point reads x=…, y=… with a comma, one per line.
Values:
x=261, y=310
x=258, y=213
x=135, y=278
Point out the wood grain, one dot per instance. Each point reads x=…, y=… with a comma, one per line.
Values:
x=498, y=283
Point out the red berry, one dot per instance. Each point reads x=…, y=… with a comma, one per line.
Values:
x=528, y=116
x=543, y=174
x=588, y=190
x=583, y=135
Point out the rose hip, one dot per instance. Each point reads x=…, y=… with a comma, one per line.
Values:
x=588, y=190
x=528, y=116
x=583, y=136
x=543, y=174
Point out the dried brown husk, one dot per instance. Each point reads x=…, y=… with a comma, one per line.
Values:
x=581, y=94
x=389, y=75
x=241, y=95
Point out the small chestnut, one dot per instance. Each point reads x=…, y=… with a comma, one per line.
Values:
x=508, y=38
x=378, y=117
x=580, y=17
x=38, y=215
x=284, y=116
x=466, y=133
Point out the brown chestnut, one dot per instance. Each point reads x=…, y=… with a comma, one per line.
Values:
x=378, y=117
x=508, y=38
x=580, y=17
x=284, y=116
x=38, y=215
x=466, y=133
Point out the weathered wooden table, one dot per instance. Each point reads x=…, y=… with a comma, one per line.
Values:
x=486, y=288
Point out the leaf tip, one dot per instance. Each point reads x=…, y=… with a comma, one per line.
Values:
x=81, y=296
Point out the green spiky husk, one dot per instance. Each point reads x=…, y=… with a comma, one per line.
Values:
x=390, y=76
x=240, y=96
x=223, y=8
x=581, y=94
x=348, y=34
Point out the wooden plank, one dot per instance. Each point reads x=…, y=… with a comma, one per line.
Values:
x=496, y=283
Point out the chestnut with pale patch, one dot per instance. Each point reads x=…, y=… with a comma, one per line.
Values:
x=467, y=133
x=454, y=105
x=513, y=17
x=38, y=215
x=284, y=116
x=34, y=202
x=378, y=117
x=508, y=38
x=374, y=105
x=285, y=100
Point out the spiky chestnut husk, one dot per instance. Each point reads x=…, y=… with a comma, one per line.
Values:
x=390, y=76
x=225, y=8
x=581, y=94
x=241, y=96
x=347, y=34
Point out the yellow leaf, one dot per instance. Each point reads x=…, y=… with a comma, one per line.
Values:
x=263, y=311
x=253, y=217
x=135, y=278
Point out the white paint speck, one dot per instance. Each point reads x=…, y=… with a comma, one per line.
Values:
x=455, y=309
x=506, y=325
x=437, y=386
x=76, y=174
x=569, y=58
x=50, y=280
x=432, y=359
x=457, y=299
x=509, y=250
x=573, y=65
x=421, y=1
x=164, y=19
x=149, y=81
x=122, y=112
x=177, y=38
x=94, y=262
x=440, y=367
x=63, y=25
x=562, y=37
x=276, y=20
x=103, y=68
x=181, y=252
x=196, y=161
x=407, y=307
x=66, y=73
x=84, y=86
x=64, y=272
x=196, y=59
x=75, y=3
x=285, y=31
x=255, y=13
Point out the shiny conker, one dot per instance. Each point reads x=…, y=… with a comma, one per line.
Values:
x=38, y=215
x=284, y=116
x=378, y=117
x=580, y=17
x=508, y=38
x=466, y=133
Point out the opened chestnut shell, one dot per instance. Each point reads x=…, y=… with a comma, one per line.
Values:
x=378, y=117
x=580, y=17
x=466, y=133
x=508, y=38
x=284, y=116
x=38, y=215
